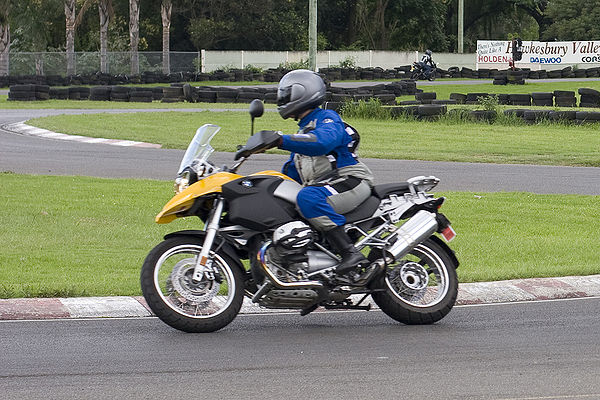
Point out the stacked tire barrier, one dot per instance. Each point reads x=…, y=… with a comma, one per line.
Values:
x=431, y=112
x=29, y=92
x=178, y=92
x=558, y=98
x=536, y=116
x=589, y=98
x=500, y=77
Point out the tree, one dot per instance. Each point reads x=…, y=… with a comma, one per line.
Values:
x=72, y=21
x=4, y=37
x=105, y=9
x=34, y=30
x=537, y=9
x=402, y=24
x=165, y=12
x=134, y=34
x=70, y=17
x=573, y=20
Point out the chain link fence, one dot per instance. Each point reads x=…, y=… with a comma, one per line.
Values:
x=55, y=63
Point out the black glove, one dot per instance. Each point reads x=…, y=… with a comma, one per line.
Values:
x=259, y=142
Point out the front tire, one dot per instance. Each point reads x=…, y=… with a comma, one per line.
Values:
x=419, y=289
x=179, y=301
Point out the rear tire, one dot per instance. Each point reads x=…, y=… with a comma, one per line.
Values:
x=421, y=288
x=204, y=306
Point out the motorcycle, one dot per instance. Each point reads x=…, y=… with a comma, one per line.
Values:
x=195, y=280
x=418, y=72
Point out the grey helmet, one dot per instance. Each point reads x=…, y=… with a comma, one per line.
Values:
x=298, y=91
x=428, y=52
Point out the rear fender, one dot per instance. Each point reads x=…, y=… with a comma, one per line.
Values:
x=226, y=247
x=447, y=249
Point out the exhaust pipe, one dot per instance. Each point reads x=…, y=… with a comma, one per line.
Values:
x=421, y=226
x=276, y=281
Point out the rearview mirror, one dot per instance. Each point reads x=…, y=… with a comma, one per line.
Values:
x=256, y=108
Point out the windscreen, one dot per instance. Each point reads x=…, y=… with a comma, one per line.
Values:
x=199, y=149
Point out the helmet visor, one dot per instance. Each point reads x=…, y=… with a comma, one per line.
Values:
x=284, y=95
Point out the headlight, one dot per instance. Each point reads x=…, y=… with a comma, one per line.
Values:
x=182, y=182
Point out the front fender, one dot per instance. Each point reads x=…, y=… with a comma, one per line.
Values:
x=226, y=247
x=184, y=200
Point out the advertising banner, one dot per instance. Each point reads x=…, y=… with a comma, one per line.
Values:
x=554, y=53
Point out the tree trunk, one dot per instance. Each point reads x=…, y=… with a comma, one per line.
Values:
x=134, y=35
x=70, y=31
x=165, y=11
x=104, y=20
x=4, y=48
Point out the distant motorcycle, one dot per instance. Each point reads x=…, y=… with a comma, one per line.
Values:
x=418, y=72
x=195, y=280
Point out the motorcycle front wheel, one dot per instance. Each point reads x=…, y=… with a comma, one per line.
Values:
x=205, y=305
x=419, y=289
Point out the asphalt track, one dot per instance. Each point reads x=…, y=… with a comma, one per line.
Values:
x=536, y=350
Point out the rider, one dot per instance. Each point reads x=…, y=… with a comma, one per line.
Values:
x=427, y=63
x=335, y=182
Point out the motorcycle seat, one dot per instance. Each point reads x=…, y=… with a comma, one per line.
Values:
x=381, y=191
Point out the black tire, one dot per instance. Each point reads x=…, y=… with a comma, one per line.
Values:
x=459, y=97
x=200, y=310
x=427, y=110
x=589, y=92
x=564, y=93
x=484, y=115
x=409, y=272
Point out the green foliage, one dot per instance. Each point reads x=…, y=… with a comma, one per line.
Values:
x=37, y=25
x=291, y=65
x=348, y=63
x=489, y=103
x=370, y=109
x=573, y=20
x=254, y=69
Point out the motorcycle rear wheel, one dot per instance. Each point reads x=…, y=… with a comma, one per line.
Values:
x=419, y=289
x=204, y=306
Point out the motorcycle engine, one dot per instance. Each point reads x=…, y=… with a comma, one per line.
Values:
x=290, y=244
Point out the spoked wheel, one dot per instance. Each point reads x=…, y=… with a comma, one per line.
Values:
x=178, y=300
x=421, y=288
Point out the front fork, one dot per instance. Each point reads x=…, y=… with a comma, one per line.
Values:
x=204, y=262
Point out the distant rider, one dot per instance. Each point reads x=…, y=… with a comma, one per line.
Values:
x=427, y=63
x=335, y=182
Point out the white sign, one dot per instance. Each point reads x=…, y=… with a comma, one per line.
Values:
x=576, y=52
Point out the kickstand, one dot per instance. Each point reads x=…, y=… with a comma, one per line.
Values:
x=308, y=310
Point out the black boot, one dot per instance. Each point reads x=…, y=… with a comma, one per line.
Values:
x=342, y=244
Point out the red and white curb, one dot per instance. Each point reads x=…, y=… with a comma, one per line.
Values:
x=468, y=294
x=24, y=129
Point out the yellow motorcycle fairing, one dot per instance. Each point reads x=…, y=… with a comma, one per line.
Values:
x=211, y=184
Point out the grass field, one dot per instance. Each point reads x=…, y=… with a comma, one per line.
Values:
x=81, y=236
x=549, y=144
